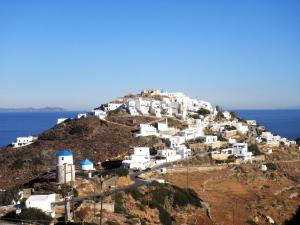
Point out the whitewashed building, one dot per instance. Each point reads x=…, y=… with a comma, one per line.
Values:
x=175, y=141
x=146, y=130
x=61, y=120
x=241, y=150
x=251, y=122
x=169, y=155
x=227, y=115
x=23, y=141
x=243, y=129
x=139, y=160
x=86, y=165
x=183, y=151
x=65, y=168
x=163, y=126
x=42, y=202
x=209, y=139
x=131, y=108
x=99, y=113
x=143, y=106
x=113, y=106
x=81, y=115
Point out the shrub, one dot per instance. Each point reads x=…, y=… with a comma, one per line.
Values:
x=135, y=193
x=17, y=164
x=233, y=115
x=121, y=172
x=164, y=216
x=34, y=215
x=77, y=130
x=37, y=161
x=119, y=207
x=140, y=206
x=254, y=149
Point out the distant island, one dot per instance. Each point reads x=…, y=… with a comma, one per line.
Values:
x=31, y=109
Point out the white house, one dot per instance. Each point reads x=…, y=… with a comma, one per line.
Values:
x=251, y=122
x=81, y=115
x=163, y=126
x=175, y=141
x=241, y=150
x=183, y=151
x=140, y=159
x=131, y=108
x=42, y=202
x=143, y=106
x=113, y=106
x=61, y=120
x=231, y=140
x=23, y=141
x=209, y=139
x=206, y=105
x=241, y=128
x=156, y=112
x=99, y=113
x=191, y=133
x=170, y=155
x=146, y=130
x=227, y=115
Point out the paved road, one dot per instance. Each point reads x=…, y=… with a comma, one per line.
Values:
x=138, y=182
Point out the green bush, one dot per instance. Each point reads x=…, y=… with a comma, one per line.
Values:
x=77, y=130
x=121, y=172
x=135, y=193
x=164, y=216
x=34, y=215
x=119, y=207
x=17, y=164
x=254, y=149
x=37, y=161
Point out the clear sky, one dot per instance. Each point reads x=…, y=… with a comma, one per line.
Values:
x=78, y=54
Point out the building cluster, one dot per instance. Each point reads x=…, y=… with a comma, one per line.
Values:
x=65, y=174
x=274, y=140
x=155, y=103
x=239, y=150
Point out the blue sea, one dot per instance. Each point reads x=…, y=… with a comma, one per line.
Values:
x=286, y=123
x=18, y=124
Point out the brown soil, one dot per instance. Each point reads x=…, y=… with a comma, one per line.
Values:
x=244, y=193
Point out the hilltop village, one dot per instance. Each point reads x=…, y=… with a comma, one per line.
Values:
x=175, y=146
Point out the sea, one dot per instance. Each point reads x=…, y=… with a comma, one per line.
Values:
x=22, y=124
x=286, y=123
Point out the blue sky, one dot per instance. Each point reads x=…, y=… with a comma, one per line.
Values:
x=78, y=54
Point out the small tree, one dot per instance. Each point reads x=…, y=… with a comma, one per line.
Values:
x=121, y=172
x=34, y=215
x=254, y=149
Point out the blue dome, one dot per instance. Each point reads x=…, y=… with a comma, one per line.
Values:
x=85, y=162
x=63, y=153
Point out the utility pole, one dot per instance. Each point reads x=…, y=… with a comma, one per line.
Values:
x=101, y=210
x=234, y=207
x=65, y=177
x=72, y=183
x=187, y=175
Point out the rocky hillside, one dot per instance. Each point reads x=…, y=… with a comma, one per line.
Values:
x=89, y=138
